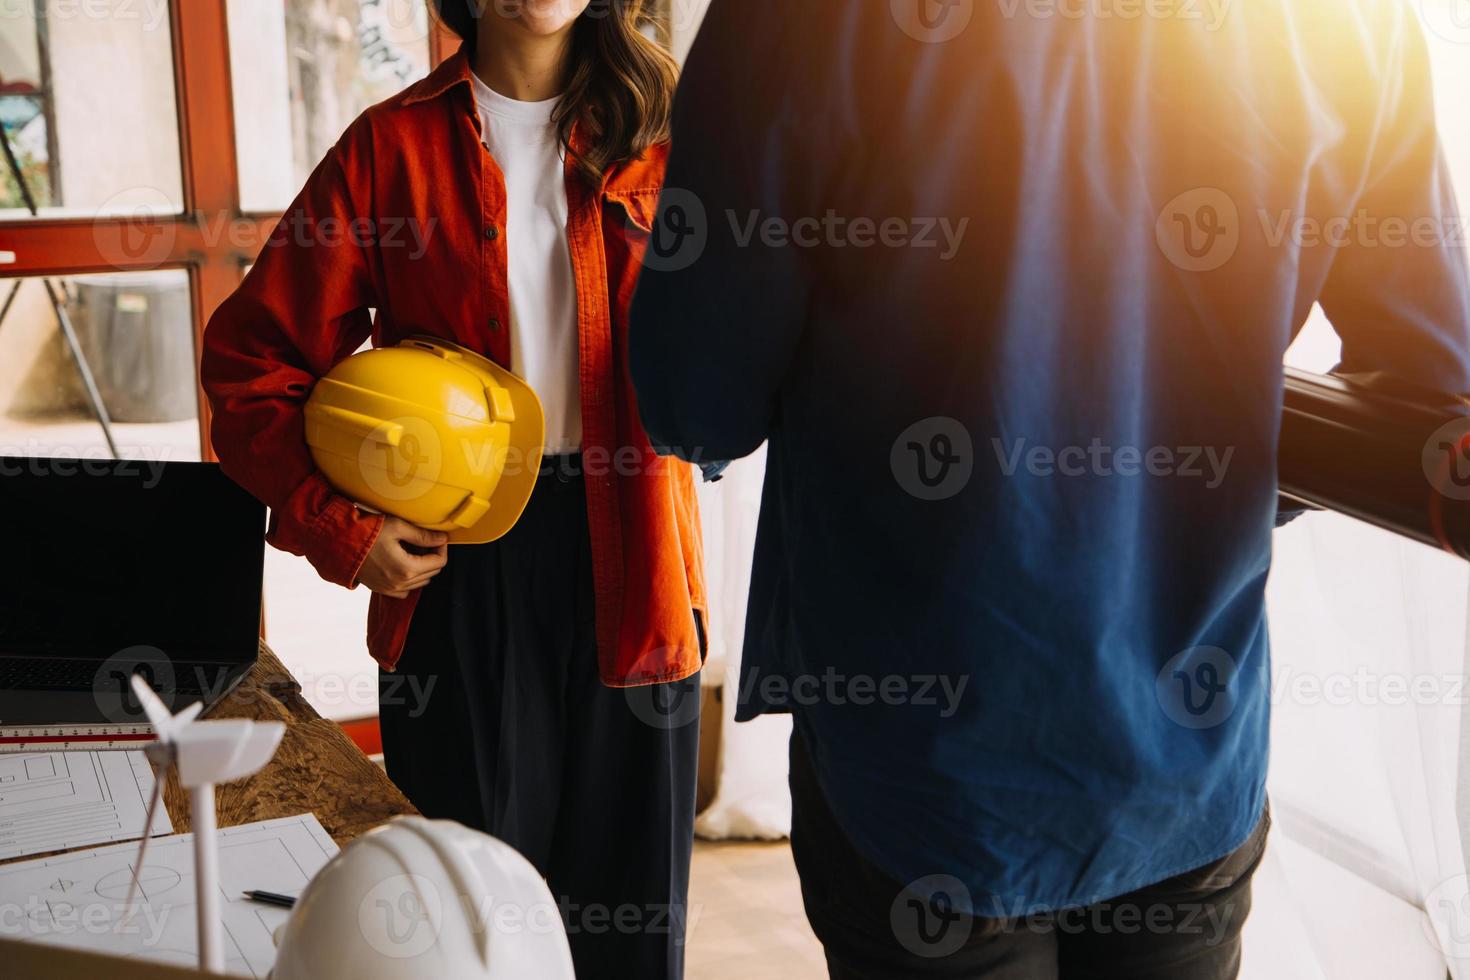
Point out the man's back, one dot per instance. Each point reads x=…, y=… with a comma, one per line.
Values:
x=1020, y=369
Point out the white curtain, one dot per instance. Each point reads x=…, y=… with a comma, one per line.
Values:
x=751, y=799
x=1367, y=781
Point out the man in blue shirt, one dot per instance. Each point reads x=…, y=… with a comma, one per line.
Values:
x=1007, y=287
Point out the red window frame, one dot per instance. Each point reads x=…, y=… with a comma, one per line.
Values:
x=211, y=191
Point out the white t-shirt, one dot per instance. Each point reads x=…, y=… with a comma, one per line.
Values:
x=543, y=292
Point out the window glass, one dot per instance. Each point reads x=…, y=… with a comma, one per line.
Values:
x=1447, y=29
x=134, y=341
x=303, y=70
x=1367, y=647
x=78, y=83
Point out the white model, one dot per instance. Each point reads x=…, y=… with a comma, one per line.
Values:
x=425, y=898
x=205, y=753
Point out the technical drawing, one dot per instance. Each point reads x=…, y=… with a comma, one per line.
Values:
x=52, y=801
x=60, y=894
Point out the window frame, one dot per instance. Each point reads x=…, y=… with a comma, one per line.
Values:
x=204, y=105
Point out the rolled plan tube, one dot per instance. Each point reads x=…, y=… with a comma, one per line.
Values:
x=1397, y=461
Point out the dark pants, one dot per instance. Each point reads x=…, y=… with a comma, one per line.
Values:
x=873, y=928
x=519, y=738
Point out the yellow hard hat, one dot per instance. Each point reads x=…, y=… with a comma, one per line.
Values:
x=431, y=433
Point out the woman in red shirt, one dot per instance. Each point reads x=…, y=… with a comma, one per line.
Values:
x=542, y=688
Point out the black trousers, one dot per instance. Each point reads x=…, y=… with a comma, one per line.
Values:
x=1185, y=928
x=497, y=718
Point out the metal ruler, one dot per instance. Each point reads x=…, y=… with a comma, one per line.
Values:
x=74, y=738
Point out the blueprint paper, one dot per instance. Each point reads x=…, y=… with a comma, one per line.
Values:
x=53, y=801
x=76, y=899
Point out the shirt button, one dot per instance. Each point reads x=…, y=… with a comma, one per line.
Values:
x=494, y=326
x=492, y=232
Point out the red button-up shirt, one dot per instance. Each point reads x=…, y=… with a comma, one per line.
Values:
x=404, y=217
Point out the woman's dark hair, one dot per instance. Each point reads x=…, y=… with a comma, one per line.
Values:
x=619, y=85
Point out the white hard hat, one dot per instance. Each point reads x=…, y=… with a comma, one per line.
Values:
x=425, y=898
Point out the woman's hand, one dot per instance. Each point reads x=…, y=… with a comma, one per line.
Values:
x=405, y=558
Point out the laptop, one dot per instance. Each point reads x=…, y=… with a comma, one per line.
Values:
x=116, y=567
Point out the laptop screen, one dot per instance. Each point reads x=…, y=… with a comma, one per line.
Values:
x=104, y=556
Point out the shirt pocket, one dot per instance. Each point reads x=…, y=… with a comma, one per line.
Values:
x=638, y=208
x=628, y=218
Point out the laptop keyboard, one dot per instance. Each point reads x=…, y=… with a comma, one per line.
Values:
x=46, y=674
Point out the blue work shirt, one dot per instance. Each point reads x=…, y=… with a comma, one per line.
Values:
x=1008, y=292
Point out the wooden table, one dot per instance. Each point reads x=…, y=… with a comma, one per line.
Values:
x=317, y=768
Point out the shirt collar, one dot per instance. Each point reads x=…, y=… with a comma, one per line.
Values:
x=454, y=70
x=637, y=176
